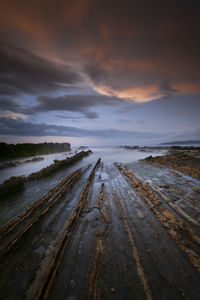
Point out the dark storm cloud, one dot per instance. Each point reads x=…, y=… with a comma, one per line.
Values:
x=133, y=50
x=145, y=44
x=167, y=91
x=21, y=72
x=9, y=104
x=96, y=73
x=22, y=128
x=74, y=103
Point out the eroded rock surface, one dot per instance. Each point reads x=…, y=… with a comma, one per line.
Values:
x=187, y=162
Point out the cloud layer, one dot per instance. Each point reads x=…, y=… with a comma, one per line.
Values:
x=22, y=128
x=86, y=59
x=121, y=48
x=21, y=72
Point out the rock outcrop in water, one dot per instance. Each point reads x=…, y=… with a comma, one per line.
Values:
x=145, y=148
x=16, y=163
x=83, y=148
x=14, y=183
x=9, y=151
x=59, y=164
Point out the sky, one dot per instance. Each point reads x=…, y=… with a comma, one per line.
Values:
x=100, y=72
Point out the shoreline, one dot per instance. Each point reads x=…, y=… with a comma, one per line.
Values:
x=16, y=183
x=184, y=160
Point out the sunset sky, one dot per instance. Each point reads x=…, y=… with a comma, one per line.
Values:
x=99, y=72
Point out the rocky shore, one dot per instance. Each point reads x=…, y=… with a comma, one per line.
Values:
x=16, y=163
x=183, y=159
x=14, y=183
x=146, y=148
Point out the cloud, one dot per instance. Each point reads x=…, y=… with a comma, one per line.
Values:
x=74, y=103
x=144, y=79
x=21, y=72
x=149, y=51
x=13, y=109
x=124, y=121
x=12, y=115
x=9, y=104
x=120, y=49
x=108, y=53
x=19, y=127
x=81, y=104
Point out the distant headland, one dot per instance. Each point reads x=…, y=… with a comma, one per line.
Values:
x=187, y=142
x=9, y=151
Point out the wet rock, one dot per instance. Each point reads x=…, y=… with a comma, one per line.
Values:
x=59, y=164
x=181, y=161
x=149, y=157
x=12, y=185
x=164, y=185
x=16, y=163
x=35, y=159
x=93, y=215
x=83, y=148
x=9, y=164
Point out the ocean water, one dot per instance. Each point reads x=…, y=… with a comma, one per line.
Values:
x=108, y=155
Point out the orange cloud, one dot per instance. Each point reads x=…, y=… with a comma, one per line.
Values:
x=137, y=54
x=13, y=115
x=137, y=94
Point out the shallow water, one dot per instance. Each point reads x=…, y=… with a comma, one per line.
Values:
x=25, y=169
x=108, y=155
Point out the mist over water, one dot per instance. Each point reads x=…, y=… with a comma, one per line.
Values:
x=108, y=155
x=28, y=168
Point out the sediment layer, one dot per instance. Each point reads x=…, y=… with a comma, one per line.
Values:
x=14, y=183
x=187, y=162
